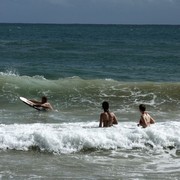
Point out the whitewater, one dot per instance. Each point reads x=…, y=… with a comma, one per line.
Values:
x=76, y=137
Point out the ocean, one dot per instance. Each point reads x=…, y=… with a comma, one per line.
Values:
x=78, y=67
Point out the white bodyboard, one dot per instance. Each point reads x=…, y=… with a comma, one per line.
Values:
x=30, y=103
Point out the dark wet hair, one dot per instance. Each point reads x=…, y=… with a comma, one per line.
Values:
x=105, y=106
x=142, y=107
x=44, y=99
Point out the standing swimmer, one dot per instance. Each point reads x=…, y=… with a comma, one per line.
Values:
x=145, y=119
x=107, y=118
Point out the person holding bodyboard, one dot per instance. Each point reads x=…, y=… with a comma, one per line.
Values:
x=39, y=105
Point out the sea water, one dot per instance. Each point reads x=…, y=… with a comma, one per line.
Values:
x=78, y=67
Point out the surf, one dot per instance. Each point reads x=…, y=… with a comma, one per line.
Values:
x=76, y=91
x=69, y=138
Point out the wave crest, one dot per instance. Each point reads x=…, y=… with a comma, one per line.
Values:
x=78, y=137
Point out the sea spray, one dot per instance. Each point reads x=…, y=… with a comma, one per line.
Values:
x=75, y=137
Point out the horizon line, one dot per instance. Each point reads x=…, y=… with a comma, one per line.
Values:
x=136, y=24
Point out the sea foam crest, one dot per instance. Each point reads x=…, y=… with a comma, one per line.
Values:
x=75, y=137
x=9, y=73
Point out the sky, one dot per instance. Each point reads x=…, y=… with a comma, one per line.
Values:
x=90, y=11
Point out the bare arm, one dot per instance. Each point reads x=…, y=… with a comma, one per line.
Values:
x=143, y=122
x=152, y=121
x=100, y=121
x=114, y=119
x=35, y=101
x=45, y=106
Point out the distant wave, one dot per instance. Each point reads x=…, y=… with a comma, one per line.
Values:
x=81, y=92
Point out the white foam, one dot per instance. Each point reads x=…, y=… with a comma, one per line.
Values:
x=74, y=137
x=9, y=73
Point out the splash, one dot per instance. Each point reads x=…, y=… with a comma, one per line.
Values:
x=75, y=137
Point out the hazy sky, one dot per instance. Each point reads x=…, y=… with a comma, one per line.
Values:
x=91, y=11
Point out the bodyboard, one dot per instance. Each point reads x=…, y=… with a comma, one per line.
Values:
x=30, y=103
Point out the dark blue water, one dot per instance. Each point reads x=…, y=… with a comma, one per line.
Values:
x=120, y=52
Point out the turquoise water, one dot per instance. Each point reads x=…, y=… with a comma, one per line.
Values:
x=77, y=67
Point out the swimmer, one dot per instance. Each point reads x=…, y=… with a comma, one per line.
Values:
x=107, y=118
x=43, y=103
x=145, y=119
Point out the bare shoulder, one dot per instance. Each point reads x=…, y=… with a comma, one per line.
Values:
x=112, y=114
x=47, y=105
x=103, y=114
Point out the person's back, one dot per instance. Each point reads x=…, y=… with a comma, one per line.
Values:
x=145, y=119
x=107, y=118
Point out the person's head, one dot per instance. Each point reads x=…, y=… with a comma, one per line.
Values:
x=142, y=107
x=105, y=106
x=44, y=99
